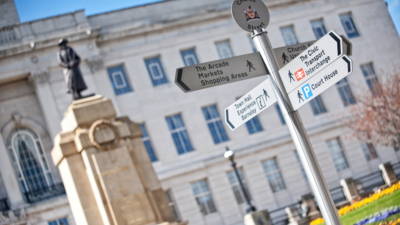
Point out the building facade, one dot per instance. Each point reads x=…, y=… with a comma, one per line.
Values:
x=130, y=56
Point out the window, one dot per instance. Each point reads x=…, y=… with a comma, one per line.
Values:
x=274, y=176
x=172, y=204
x=369, y=151
x=156, y=71
x=189, y=57
x=237, y=191
x=118, y=80
x=288, y=35
x=224, y=49
x=318, y=28
x=203, y=197
x=62, y=221
x=253, y=125
x=253, y=46
x=337, y=154
x=214, y=123
x=317, y=105
x=179, y=134
x=301, y=166
x=370, y=77
x=345, y=92
x=29, y=160
x=147, y=143
x=278, y=109
x=348, y=25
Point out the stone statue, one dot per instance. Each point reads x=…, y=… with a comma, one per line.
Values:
x=69, y=60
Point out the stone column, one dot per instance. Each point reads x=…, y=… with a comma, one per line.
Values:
x=349, y=189
x=257, y=218
x=14, y=193
x=308, y=203
x=294, y=216
x=39, y=78
x=106, y=171
x=388, y=173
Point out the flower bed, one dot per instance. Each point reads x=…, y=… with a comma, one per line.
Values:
x=365, y=201
x=384, y=214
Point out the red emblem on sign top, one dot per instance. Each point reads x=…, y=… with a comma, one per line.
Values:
x=299, y=74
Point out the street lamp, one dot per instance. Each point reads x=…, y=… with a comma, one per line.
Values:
x=229, y=154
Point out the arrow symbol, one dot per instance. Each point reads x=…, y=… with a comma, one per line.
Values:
x=339, y=50
x=227, y=120
x=179, y=80
x=348, y=63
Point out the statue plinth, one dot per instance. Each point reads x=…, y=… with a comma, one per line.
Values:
x=107, y=174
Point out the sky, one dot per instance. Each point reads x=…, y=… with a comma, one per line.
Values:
x=29, y=10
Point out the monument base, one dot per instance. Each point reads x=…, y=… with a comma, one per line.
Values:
x=106, y=171
x=257, y=218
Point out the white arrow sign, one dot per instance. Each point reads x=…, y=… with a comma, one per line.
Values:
x=250, y=105
x=312, y=60
x=287, y=53
x=320, y=82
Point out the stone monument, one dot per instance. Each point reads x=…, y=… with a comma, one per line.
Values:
x=107, y=174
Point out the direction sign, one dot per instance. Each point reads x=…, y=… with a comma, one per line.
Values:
x=223, y=71
x=287, y=53
x=311, y=61
x=250, y=105
x=250, y=14
x=320, y=82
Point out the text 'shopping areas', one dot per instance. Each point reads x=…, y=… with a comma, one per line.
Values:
x=224, y=71
x=311, y=61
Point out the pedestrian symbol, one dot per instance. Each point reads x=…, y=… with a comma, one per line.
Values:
x=266, y=95
x=291, y=77
x=250, y=65
x=299, y=95
x=307, y=91
x=285, y=58
x=260, y=102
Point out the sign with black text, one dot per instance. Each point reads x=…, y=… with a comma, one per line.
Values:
x=287, y=53
x=250, y=14
x=219, y=72
x=250, y=105
x=311, y=61
x=320, y=82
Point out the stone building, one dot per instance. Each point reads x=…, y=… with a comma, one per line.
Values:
x=130, y=56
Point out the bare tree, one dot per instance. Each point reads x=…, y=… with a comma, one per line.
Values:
x=376, y=116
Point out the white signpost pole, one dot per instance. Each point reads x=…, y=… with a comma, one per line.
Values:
x=298, y=133
x=253, y=16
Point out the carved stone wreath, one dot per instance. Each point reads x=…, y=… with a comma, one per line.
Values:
x=100, y=124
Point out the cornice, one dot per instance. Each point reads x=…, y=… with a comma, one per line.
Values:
x=23, y=46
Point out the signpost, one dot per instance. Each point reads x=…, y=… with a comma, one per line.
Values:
x=287, y=53
x=250, y=105
x=292, y=117
x=320, y=82
x=313, y=60
x=307, y=69
x=223, y=71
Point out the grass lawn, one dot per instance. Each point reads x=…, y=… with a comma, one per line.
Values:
x=369, y=209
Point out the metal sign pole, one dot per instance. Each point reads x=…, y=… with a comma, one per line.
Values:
x=298, y=132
